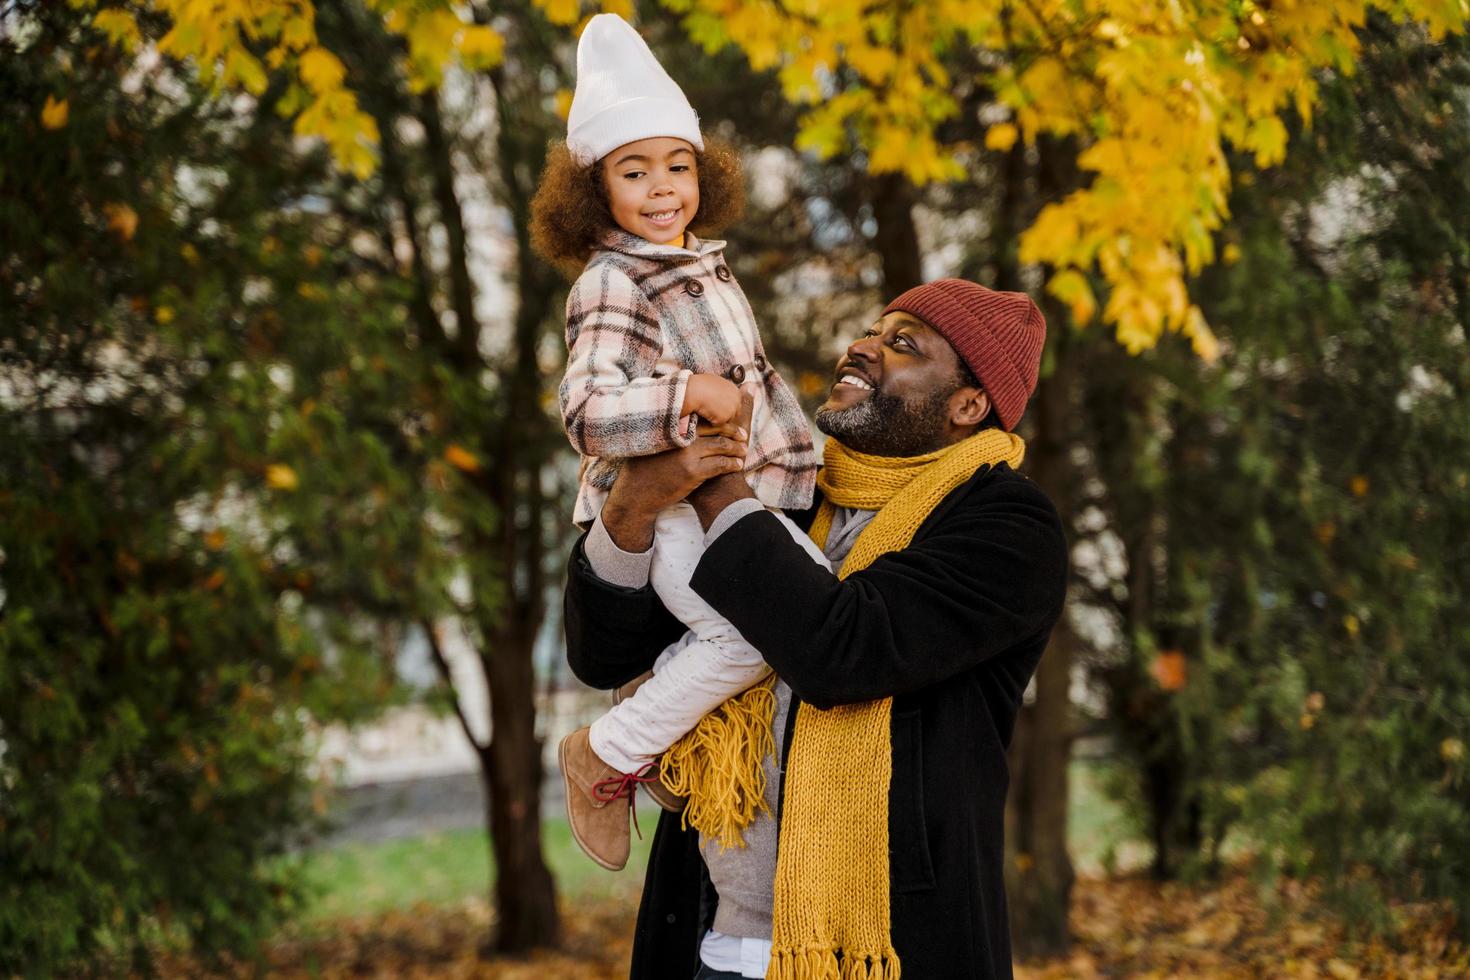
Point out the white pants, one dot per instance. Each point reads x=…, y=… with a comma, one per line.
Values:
x=699, y=671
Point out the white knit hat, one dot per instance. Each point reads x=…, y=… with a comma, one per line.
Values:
x=623, y=94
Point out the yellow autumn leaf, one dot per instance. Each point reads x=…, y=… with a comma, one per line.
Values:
x=243, y=68
x=875, y=63
x=481, y=46
x=1201, y=337
x=119, y=26
x=54, y=113
x=461, y=458
x=560, y=11
x=321, y=70
x=1001, y=137
x=563, y=104
x=1071, y=287
x=279, y=476
x=298, y=32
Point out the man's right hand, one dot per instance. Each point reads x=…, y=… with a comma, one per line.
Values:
x=648, y=484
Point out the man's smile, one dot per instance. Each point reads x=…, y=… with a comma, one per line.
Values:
x=851, y=378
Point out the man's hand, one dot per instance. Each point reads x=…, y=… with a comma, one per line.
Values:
x=648, y=484
x=719, y=492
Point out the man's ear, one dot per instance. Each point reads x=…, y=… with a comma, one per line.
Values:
x=968, y=407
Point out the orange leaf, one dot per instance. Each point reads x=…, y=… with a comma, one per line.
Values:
x=461, y=458
x=121, y=219
x=1170, y=670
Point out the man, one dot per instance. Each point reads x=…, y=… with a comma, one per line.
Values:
x=900, y=673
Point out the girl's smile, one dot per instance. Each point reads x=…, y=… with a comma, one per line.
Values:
x=653, y=188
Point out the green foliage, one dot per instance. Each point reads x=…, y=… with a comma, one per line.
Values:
x=158, y=670
x=1297, y=517
x=248, y=454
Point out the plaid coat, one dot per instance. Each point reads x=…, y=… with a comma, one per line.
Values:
x=641, y=319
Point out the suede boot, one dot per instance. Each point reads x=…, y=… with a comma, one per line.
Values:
x=656, y=790
x=599, y=801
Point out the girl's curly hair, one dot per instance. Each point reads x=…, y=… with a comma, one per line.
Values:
x=570, y=213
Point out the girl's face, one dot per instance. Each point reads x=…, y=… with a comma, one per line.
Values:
x=653, y=188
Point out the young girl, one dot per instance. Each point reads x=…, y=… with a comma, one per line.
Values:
x=659, y=334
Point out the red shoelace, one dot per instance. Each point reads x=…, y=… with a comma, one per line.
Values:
x=625, y=784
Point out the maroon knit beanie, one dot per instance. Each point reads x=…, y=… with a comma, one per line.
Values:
x=999, y=335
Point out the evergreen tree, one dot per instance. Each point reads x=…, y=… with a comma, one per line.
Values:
x=1293, y=519
x=157, y=668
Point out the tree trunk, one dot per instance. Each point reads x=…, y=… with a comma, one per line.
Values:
x=1039, y=871
x=507, y=562
x=897, y=241
x=523, y=890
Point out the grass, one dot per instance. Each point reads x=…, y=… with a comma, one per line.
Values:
x=1101, y=833
x=448, y=868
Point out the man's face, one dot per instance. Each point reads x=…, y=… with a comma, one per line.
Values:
x=899, y=391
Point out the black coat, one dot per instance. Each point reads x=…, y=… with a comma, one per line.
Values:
x=951, y=627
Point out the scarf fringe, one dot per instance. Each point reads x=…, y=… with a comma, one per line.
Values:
x=822, y=963
x=719, y=766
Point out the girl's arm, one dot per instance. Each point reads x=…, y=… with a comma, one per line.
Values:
x=611, y=406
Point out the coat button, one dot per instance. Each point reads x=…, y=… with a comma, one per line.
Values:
x=693, y=287
x=760, y=362
x=671, y=918
x=736, y=373
x=722, y=273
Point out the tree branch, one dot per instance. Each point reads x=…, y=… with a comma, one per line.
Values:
x=442, y=662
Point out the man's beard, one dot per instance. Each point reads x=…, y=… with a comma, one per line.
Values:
x=887, y=425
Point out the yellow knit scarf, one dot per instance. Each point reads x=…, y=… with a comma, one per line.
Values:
x=829, y=902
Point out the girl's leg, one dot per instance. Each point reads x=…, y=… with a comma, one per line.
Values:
x=707, y=665
x=710, y=664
